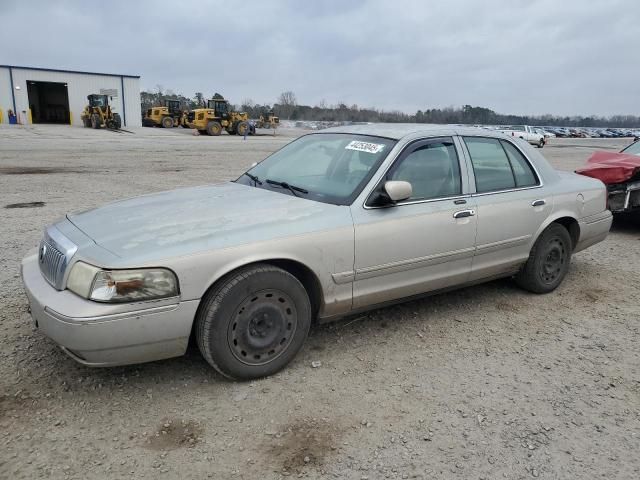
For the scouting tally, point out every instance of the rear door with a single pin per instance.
(511, 204)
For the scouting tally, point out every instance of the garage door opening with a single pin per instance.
(48, 101)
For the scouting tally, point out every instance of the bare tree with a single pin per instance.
(199, 99)
(287, 103)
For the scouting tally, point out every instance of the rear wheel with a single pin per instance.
(95, 120)
(167, 122)
(548, 261)
(254, 322)
(214, 128)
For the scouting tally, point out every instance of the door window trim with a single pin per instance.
(401, 156)
(540, 183)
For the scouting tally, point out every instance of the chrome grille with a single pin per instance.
(54, 255)
(52, 262)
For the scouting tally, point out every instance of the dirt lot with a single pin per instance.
(486, 382)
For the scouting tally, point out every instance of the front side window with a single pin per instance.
(433, 170)
(326, 167)
(498, 165)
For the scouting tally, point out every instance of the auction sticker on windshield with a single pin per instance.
(365, 147)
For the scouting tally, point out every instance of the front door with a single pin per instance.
(424, 243)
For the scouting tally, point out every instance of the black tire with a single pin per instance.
(117, 121)
(548, 261)
(95, 121)
(253, 322)
(167, 122)
(242, 128)
(86, 122)
(214, 128)
(541, 143)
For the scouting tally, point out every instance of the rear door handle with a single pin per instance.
(464, 213)
(538, 203)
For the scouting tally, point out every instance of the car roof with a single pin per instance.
(397, 131)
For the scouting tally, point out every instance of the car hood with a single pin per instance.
(610, 167)
(190, 220)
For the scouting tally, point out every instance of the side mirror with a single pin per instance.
(398, 190)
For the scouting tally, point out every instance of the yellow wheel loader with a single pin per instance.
(168, 116)
(268, 121)
(99, 114)
(218, 116)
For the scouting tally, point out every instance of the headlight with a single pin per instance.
(122, 285)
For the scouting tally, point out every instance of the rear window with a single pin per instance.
(633, 149)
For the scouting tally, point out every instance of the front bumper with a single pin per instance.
(97, 334)
(624, 197)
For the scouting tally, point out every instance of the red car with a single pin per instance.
(621, 174)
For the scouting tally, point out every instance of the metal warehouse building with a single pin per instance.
(43, 95)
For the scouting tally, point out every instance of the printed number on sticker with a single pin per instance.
(365, 147)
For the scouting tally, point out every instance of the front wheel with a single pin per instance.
(541, 143)
(167, 122)
(96, 122)
(242, 128)
(214, 128)
(254, 322)
(548, 261)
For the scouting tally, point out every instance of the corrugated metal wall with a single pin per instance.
(5, 95)
(79, 85)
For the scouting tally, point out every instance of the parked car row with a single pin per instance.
(584, 132)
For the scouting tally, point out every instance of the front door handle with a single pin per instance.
(538, 203)
(464, 213)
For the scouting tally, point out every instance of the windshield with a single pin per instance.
(326, 167)
(633, 149)
(98, 101)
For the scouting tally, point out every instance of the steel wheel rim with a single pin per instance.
(554, 261)
(262, 327)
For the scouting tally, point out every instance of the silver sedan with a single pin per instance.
(334, 223)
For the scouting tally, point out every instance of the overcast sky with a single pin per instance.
(525, 57)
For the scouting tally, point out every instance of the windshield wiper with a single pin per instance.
(293, 189)
(255, 179)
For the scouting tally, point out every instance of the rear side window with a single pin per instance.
(498, 165)
(524, 174)
(491, 166)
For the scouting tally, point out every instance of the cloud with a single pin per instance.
(569, 57)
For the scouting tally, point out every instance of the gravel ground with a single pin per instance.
(486, 382)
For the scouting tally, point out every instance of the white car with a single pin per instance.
(525, 132)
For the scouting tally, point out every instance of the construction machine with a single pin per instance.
(99, 113)
(167, 116)
(218, 116)
(268, 121)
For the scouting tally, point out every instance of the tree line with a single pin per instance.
(287, 107)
